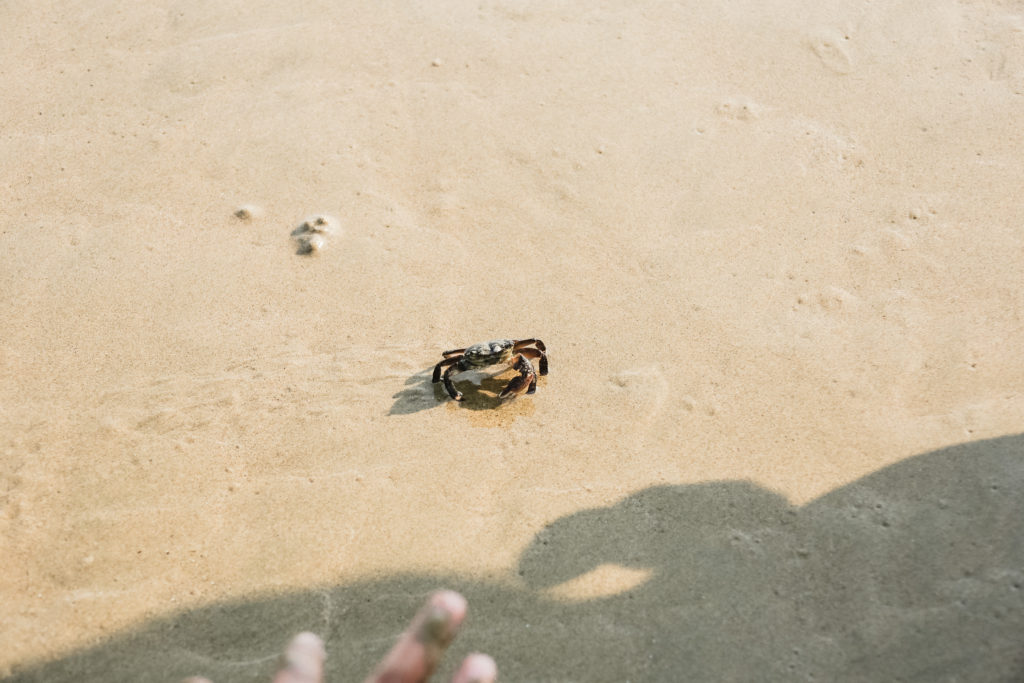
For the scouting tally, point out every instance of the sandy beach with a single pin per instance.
(775, 252)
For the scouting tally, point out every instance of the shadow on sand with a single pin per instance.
(913, 573)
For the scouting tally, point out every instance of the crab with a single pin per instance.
(518, 352)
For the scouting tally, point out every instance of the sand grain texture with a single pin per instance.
(775, 252)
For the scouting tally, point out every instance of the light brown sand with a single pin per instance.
(778, 246)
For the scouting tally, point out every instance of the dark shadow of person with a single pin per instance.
(913, 573)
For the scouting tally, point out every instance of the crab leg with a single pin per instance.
(452, 391)
(537, 353)
(437, 368)
(523, 343)
(453, 352)
(525, 382)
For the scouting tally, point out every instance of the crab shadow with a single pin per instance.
(912, 573)
(479, 391)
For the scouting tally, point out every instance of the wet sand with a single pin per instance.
(775, 253)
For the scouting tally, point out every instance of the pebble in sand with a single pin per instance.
(311, 235)
(248, 212)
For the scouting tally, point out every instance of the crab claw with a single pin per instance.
(525, 382)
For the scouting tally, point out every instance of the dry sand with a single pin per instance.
(775, 250)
